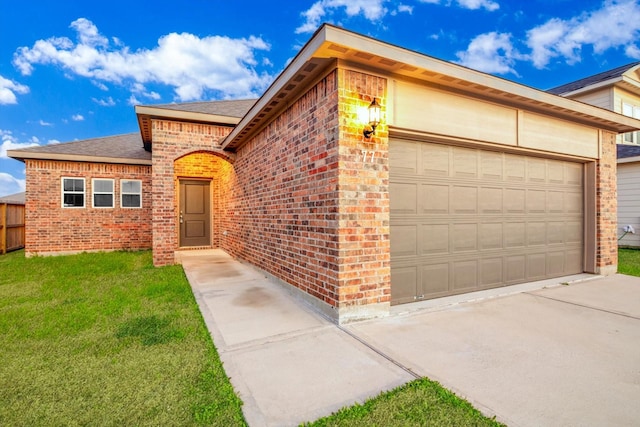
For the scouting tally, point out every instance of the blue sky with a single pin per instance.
(74, 70)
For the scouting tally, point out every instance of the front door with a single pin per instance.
(195, 213)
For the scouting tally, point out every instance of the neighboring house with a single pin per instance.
(469, 182)
(629, 194)
(17, 198)
(618, 90)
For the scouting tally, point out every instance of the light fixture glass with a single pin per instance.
(374, 119)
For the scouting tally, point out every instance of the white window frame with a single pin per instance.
(128, 193)
(94, 193)
(631, 110)
(63, 192)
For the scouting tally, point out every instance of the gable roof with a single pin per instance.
(125, 149)
(606, 77)
(330, 45)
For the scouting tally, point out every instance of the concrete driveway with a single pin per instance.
(562, 355)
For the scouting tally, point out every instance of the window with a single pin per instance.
(130, 193)
(73, 192)
(631, 111)
(102, 193)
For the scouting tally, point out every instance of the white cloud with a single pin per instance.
(213, 63)
(10, 184)
(316, 14)
(615, 25)
(43, 123)
(491, 52)
(479, 4)
(8, 90)
(10, 142)
(77, 117)
(403, 8)
(109, 102)
(469, 4)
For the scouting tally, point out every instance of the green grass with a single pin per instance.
(419, 403)
(629, 261)
(106, 339)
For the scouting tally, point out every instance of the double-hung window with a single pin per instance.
(130, 193)
(631, 111)
(102, 193)
(73, 192)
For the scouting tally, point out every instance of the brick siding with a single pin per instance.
(308, 199)
(607, 207)
(52, 229)
(171, 142)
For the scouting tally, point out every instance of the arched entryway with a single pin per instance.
(201, 180)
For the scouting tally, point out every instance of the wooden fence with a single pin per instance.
(11, 227)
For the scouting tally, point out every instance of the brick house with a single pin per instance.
(469, 181)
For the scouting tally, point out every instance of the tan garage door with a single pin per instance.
(466, 219)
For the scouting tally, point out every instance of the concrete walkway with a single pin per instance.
(564, 355)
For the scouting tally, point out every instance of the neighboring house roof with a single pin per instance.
(628, 153)
(126, 149)
(17, 198)
(597, 80)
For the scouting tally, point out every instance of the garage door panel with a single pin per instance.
(435, 279)
(464, 237)
(536, 266)
(405, 242)
(470, 219)
(490, 200)
(435, 239)
(491, 236)
(464, 199)
(536, 233)
(491, 272)
(515, 200)
(404, 281)
(435, 160)
(404, 157)
(405, 199)
(515, 235)
(465, 162)
(434, 199)
(516, 267)
(465, 275)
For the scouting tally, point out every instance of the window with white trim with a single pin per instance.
(73, 192)
(103, 193)
(631, 111)
(130, 193)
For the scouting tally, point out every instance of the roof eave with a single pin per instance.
(633, 159)
(23, 155)
(331, 42)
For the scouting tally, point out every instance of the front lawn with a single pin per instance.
(629, 262)
(106, 339)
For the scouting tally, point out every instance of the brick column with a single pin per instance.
(606, 207)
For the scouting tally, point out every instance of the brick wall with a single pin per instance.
(173, 141)
(308, 201)
(606, 207)
(283, 202)
(53, 229)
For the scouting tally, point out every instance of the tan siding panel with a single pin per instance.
(558, 136)
(431, 110)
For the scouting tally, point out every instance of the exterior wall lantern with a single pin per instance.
(374, 119)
